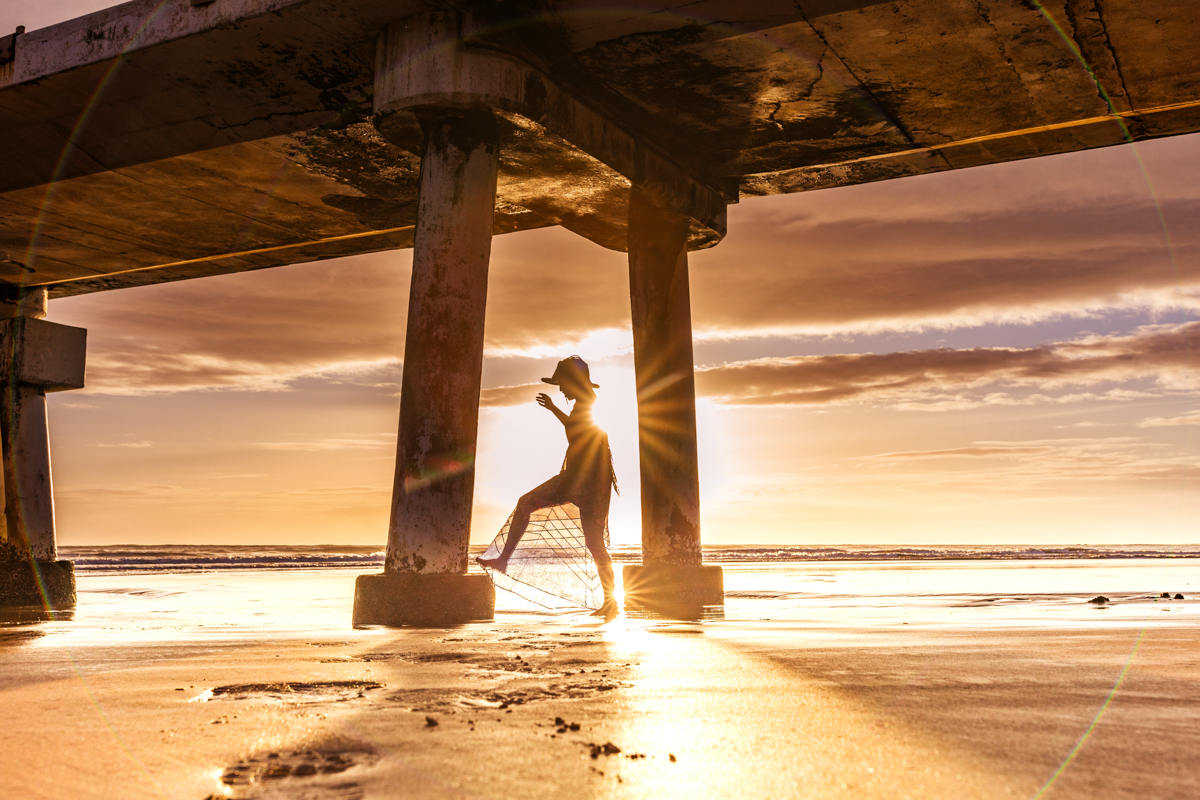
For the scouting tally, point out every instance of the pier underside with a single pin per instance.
(154, 142)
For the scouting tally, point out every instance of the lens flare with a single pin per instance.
(1095, 720)
(438, 468)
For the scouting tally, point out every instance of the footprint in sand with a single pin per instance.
(298, 692)
(307, 773)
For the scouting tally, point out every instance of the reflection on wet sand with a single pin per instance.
(24, 615)
(890, 681)
(739, 724)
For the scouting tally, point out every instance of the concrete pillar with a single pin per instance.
(443, 350)
(425, 580)
(28, 490)
(37, 356)
(662, 352)
(662, 355)
(28, 495)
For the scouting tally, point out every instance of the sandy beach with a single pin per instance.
(890, 310)
(831, 680)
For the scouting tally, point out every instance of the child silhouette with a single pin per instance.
(586, 478)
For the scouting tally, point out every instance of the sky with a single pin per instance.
(1005, 354)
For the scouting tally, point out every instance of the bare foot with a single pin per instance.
(609, 610)
(498, 564)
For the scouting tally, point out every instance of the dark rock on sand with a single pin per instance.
(1099, 600)
(606, 749)
(1178, 596)
(430, 722)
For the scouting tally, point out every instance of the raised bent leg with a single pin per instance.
(546, 495)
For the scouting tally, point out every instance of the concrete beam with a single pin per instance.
(42, 354)
(422, 62)
(152, 79)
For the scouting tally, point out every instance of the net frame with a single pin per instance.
(551, 564)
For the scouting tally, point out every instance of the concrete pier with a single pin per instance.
(464, 103)
(585, 106)
(425, 580)
(36, 356)
(660, 300)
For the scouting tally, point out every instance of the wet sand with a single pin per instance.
(253, 685)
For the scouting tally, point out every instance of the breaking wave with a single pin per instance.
(208, 558)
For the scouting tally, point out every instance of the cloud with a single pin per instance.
(128, 444)
(1063, 236)
(1044, 471)
(1164, 354)
(360, 443)
(510, 395)
(1020, 242)
(960, 452)
(130, 492)
(1160, 422)
(341, 320)
(332, 499)
(1022, 265)
(254, 331)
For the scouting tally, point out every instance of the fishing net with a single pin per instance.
(551, 565)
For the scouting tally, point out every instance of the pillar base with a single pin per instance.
(51, 586)
(654, 587)
(401, 598)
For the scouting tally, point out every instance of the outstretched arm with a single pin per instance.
(544, 401)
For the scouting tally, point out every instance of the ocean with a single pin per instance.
(184, 590)
(115, 559)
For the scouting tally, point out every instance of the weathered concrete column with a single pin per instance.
(37, 357)
(425, 580)
(28, 492)
(662, 354)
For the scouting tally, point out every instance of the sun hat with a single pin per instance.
(571, 367)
